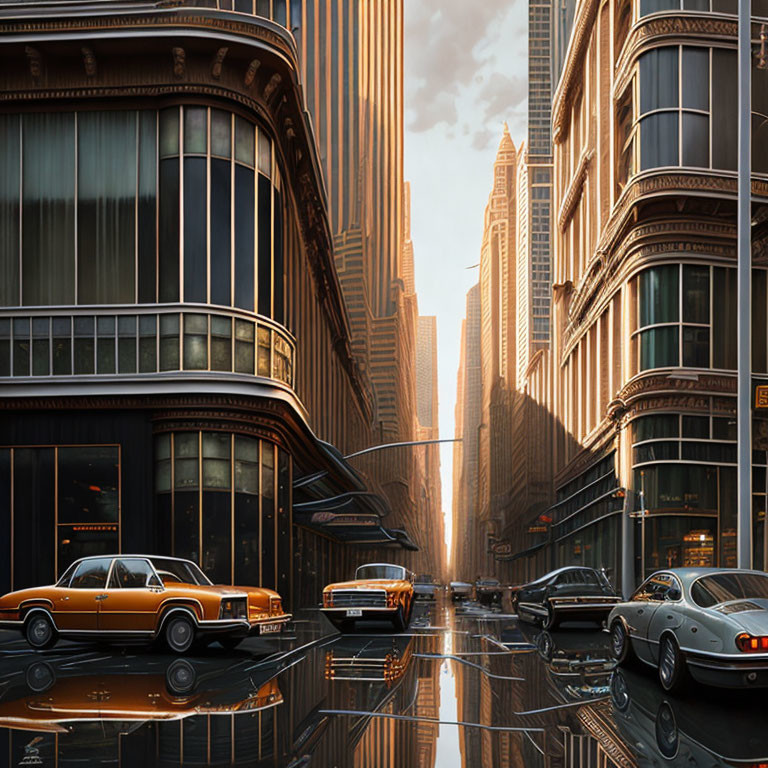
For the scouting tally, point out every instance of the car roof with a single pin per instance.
(563, 570)
(123, 554)
(389, 565)
(689, 575)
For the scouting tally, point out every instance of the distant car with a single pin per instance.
(488, 591)
(709, 623)
(424, 587)
(574, 593)
(129, 598)
(378, 591)
(460, 590)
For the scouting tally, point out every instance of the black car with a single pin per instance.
(488, 591)
(567, 594)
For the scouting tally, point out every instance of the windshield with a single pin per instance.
(724, 587)
(181, 571)
(380, 572)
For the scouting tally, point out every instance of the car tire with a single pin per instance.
(179, 633)
(621, 644)
(545, 645)
(551, 621)
(399, 622)
(667, 734)
(40, 676)
(673, 671)
(619, 692)
(180, 677)
(39, 631)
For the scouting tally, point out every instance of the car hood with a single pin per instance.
(223, 590)
(370, 584)
(750, 614)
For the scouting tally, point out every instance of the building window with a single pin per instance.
(681, 111)
(60, 502)
(686, 316)
(126, 207)
(224, 506)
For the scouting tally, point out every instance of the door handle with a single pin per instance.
(102, 597)
(66, 597)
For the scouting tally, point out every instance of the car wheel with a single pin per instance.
(39, 631)
(667, 737)
(179, 633)
(40, 676)
(551, 620)
(399, 622)
(180, 677)
(545, 646)
(619, 692)
(621, 645)
(672, 668)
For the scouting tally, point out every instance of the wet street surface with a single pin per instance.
(464, 686)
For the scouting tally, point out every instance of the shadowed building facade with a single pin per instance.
(175, 351)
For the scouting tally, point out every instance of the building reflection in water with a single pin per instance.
(532, 699)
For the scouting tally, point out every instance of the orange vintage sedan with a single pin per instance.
(129, 598)
(379, 591)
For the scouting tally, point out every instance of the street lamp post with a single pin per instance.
(744, 295)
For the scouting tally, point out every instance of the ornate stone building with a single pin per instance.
(641, 392)
(175, 351)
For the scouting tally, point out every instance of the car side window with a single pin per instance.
(658, 588)
(130, 574)
(91, 574)
(588, 577)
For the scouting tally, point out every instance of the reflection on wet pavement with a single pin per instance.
(462, 687)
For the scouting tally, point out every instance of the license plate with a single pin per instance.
(354, 612)
(265, 629)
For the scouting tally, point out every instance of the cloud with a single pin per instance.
(446, 44)
(501, 94)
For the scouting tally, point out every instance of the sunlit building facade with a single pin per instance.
(175, 352)
(642, 398)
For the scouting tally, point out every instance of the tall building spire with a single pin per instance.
(506, 151)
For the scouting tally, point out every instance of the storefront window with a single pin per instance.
(229, 525)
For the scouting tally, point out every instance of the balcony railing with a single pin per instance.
(141, 341)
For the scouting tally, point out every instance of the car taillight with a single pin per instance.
(750, 644)
(328, 599)
(391, 599)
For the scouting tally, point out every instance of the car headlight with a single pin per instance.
(233, 608)
(327, 599)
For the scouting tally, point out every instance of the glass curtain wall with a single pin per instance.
(224, 502)
(123, 207)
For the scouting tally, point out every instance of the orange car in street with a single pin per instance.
(129, 598)
(379, 591)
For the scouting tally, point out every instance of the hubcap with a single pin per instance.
(40, 631)
(618, 640)
(667, 667)
(180, 633)
(182, 677)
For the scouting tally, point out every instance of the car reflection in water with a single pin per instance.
(702, 729)
(376, 659)
(105, 708)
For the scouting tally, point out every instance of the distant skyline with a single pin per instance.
(465, 75)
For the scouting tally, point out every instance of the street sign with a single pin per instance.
(761, 397)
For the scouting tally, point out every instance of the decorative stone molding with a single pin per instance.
(575, 189)
(250, 73)
(218, 62)
(179, 62)
(89, 61)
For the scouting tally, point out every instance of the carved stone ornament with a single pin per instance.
(250, 73)
(89, 61)
(218, 62)
(179, 62)
(34, 60)
(271, 86)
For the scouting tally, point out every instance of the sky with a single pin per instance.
(465, 74)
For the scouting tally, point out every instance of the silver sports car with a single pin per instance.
(709, 623)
